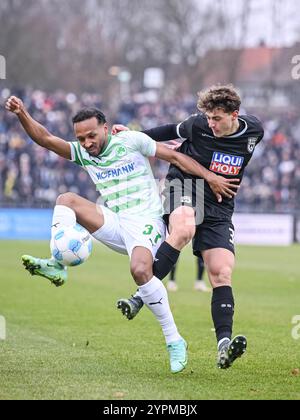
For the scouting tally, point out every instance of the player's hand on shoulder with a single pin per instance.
(14, 104)
(117, 128)
(223, 187)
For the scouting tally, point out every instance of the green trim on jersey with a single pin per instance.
(126, 206)
(123, 193)
(114, 182)
(77, 146)
(113, 160)
(77, 159)
(122, 174)
(106, 150)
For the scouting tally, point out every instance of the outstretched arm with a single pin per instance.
(219, 185)
(162, 133)
(36, 131)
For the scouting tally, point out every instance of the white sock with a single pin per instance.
(226, 339)
(62, 216)
(155, 292)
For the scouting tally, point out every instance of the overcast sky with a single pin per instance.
(277, 22)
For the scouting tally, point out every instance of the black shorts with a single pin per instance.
(213, 234)
(210, 233)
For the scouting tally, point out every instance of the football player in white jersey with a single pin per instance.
(131, 221)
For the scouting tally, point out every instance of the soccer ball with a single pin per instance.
(71, 245)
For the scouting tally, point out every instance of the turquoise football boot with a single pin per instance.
(48, 268)
(178, 355)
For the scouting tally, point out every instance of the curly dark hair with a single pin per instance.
(219, 96)
(87, 113)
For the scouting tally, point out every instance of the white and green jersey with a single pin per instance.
(122, 173)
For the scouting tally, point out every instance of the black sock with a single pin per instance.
(173, 273)
(200, 268)
(222, 310)
(165, 259)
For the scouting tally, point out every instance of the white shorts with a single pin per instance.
(123, 233)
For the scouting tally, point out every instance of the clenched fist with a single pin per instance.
(14, 105)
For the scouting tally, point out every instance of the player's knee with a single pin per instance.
(141, 272)
(222, 276)
(183, 234)
(67, 199)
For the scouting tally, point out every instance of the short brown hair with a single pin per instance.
(219, 96)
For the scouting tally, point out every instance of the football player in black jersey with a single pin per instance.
(222, 141)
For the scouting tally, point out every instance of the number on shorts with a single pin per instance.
(148, 230)
(157, 238)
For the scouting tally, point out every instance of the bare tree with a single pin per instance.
(72, 44)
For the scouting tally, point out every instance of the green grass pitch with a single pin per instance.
(72, 343)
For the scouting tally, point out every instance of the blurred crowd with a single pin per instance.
(31, 176)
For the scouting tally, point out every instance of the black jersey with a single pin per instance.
(227, 156)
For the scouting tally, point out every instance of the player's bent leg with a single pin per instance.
(69, 208)
(181, 226)
(229, 351)
(154, 295)
(141, 265)
(88, 214)
(220, 263)
(48, 268)
(141, 271)
(167, 254)
(182, 230)
(177, 350)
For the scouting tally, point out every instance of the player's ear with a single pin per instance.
(235, 114)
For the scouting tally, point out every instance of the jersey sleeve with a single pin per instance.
(185, 128)
(76, 156)
(257, 128)
(140, 142)
(261, 133)
(260, 136)
(162, 133)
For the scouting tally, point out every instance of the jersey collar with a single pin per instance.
(239, 133)
(109, 137)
